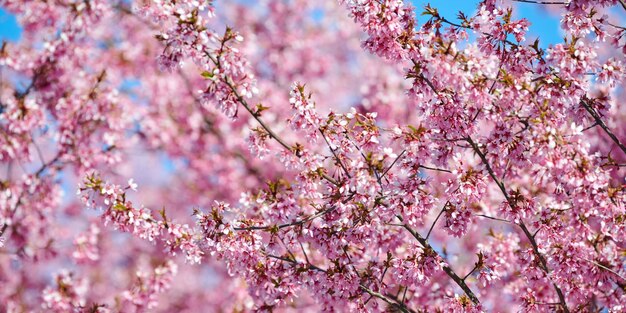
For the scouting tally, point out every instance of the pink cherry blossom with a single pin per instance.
(306, 156)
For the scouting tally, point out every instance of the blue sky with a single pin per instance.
(9, 29)
(543, 24)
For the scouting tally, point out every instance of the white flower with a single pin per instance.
(132, 185)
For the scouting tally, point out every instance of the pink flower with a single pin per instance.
(87, 245)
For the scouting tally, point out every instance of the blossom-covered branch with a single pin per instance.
(352, 155)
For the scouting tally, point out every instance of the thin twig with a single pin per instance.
(599, 121)
(529, 236)
(295, 223)
(542, 2)
(471, 272)
(623, 4)
(437, 219)
(394, 303)
(604, 268)
(257, 117)
(334, 154)
(470, 294)
(493, 218)
(435, 169)
(37, 174)
(392, 164)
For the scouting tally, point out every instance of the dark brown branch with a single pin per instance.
(449, 271)
(443, 19)
(598, 120)
(392, 164)
(529, 236)
(605, 268)
(295, 223)
(435, 169)
(334, 154)
(471, 272)
(390, 301)
(257, 117)
(493, 218)
(437, 219)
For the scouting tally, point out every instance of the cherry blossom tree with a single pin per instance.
(292, 155)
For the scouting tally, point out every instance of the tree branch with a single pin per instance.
(542, 2)
(334, 154)
(437, 219)
(599, 121)
(256, 116)
(529, 236)
(449, 271)
(390, 301)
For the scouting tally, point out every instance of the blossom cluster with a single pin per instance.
(475, 171)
